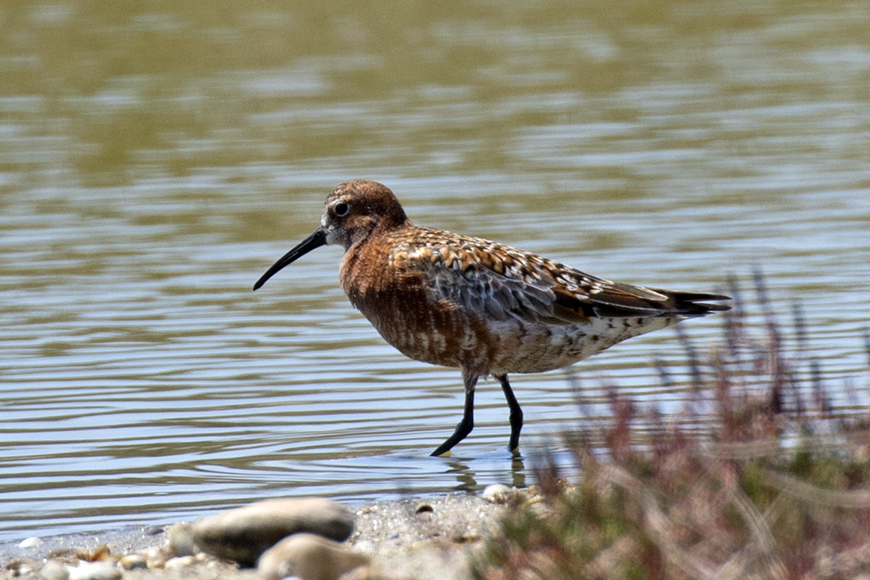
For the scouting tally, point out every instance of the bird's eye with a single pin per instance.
(342, 209)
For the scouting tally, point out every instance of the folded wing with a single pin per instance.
(500, 283)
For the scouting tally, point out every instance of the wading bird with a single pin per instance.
(481, 306)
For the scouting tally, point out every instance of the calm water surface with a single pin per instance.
(156, 159)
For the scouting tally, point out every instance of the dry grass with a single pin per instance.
(775, 485)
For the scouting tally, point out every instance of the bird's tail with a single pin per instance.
(694, 303)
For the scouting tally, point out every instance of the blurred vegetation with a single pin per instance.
(775, 486)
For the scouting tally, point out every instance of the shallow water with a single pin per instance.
(154, 163)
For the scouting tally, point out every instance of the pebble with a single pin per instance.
(155, 557)
(94, 571)
(54, 570)
(243, 534)
(179, 562)
(181, 542)
(308, 557)
(497, 493)
(133, 562)
(31, 543)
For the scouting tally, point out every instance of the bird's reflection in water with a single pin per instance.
(464, 476)
(466, 480)
(518, 472)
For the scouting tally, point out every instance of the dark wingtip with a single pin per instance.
(695, 304)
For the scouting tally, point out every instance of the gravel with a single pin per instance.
(410, 538)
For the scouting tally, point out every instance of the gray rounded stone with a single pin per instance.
(243, 534)
(308, 557)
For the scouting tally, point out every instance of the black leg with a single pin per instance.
(467, 424)
(516, 416)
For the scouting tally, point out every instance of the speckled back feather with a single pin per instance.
(492, 280)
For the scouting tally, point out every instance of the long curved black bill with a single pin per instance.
(314, 241)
